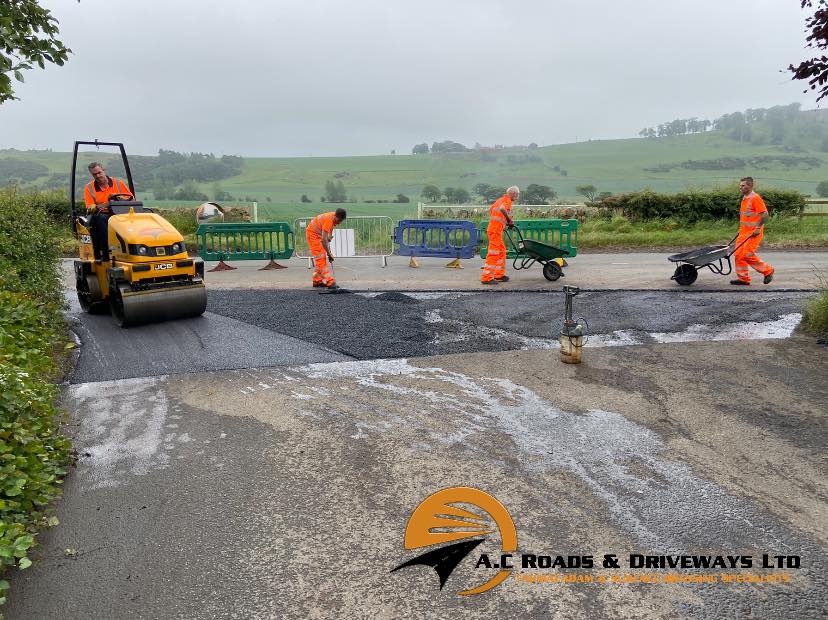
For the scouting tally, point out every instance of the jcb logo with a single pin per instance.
(163, 266)
(86, 239)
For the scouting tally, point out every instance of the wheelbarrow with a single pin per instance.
(715, 257)
(530, 251)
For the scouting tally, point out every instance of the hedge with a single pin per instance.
(33, 454)
(693, 206)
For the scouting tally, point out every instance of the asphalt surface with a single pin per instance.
(410, 324)
(209, 342)
(269, 493)
(256, 329)
(628, 270)
(235, 476)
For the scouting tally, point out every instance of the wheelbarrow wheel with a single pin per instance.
(552, 271)
(685, 275)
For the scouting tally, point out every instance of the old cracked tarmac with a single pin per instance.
(255, 464)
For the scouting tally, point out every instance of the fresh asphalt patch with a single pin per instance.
(209, 342)
(395, 324)
(246, 328)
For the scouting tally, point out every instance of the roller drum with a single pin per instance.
(154, 305)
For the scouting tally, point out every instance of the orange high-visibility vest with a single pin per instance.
(322, 223)
(750, 213)
(496, 219)
(94, 196)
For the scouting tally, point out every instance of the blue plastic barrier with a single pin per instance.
(436, 238)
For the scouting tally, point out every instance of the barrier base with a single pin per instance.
(222, 266)
(412, 262)
(455, 264)
(272, 265)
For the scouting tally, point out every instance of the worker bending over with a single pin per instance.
(494, 270)
(319, 234)
(753, 214)
(96, 195)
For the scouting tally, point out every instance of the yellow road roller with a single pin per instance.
(148, 275)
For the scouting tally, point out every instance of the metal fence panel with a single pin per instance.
(372, 236)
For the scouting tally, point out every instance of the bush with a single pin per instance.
(822, 189)
(33, 454)
(29, 249)
(693, 206)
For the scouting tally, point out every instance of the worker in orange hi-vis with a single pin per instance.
(753, 214)
(319, 234)
(494, 270)
(97, 194)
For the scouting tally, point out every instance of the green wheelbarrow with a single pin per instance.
(530, 252)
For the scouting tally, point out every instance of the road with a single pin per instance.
(254, 463)
(633, 270)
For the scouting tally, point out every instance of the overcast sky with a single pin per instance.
(362, 77)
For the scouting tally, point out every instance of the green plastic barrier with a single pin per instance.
(560, 233)
(245, 241)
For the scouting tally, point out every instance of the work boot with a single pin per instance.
(768, 278)
(488, 282)
(332, 287)
(318, 284)
(502, 279)
(739, 283)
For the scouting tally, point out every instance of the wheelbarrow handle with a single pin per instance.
(519, 234)
(740, 245)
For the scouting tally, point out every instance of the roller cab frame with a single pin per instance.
(150, 276)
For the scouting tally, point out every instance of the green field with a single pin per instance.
(611, 165)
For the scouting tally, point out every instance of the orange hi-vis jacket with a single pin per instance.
(94, 196)
(322, 223)
(750, 213)
(496, 220)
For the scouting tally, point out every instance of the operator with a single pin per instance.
(319, 234)
(494, 270)
(97, 194)
(753, 215)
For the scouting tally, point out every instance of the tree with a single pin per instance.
(420, 149)
(587, 191)
(448, 146)
(533, 146)
(335, 192)
(431, 193)
(815, 69)
(456, 195)
(402, 198)
(488, 192)
(28, 34)
(189, 191)
(305, 198)
(219, 195)
(537, 194)
(822, 189)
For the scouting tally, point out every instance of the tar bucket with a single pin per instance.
(573, 335)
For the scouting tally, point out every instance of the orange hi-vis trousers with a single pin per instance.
(495, 266)
(746, 256)
(321, 269)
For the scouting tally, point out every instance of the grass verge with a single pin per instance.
(815, 319)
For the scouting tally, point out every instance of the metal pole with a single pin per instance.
(255, 212)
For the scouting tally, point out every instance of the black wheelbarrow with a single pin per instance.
(715, 257)
(530, 252)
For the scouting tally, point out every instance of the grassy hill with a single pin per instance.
(797, 161)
